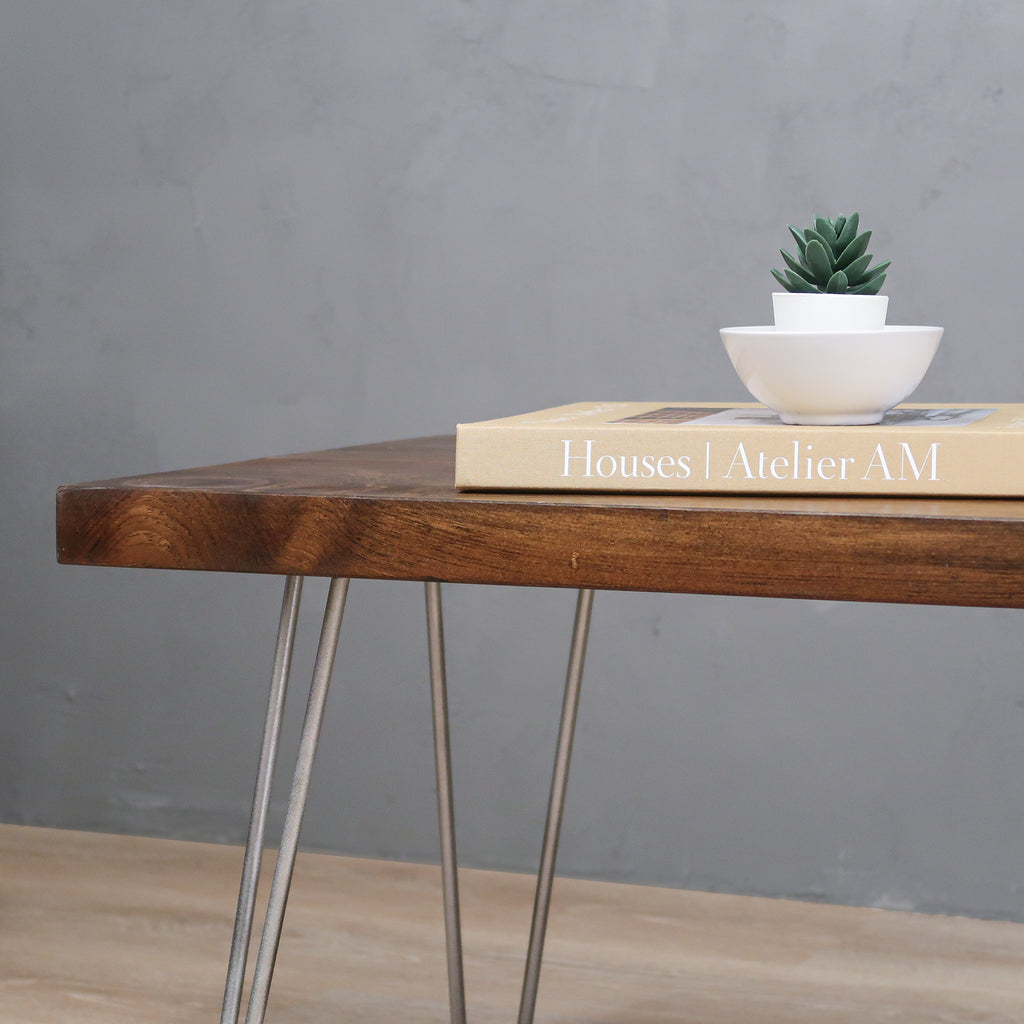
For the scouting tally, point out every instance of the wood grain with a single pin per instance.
(390, 511)
(117, 930)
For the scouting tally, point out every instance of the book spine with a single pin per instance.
(839, 461)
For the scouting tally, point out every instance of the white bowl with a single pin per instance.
(831, 377)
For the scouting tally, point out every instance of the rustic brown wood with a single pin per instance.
(390, 511)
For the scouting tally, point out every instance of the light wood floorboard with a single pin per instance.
(98, 929)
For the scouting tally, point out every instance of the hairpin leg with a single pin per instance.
(267, 955)
(556, 806)
(445, 809)
(261, 801)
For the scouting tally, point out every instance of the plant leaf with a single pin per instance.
(799, 236)
(813, 235)
(797, 267)
(849, 232)
(837, 283)
(817, 259)
(838, 224)
(798, 284)
(856, 271)
(869, 287)
(875, 271)
(824, 228)
(782, 280)
(855, 249)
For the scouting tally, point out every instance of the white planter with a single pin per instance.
(831, 377)
(800, 311)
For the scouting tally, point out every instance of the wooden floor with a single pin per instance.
(101, 929)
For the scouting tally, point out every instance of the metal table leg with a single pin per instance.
(556, 806)
(271, 937)
(261, 801)
(445, 809)
(327, 650)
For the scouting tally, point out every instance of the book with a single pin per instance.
(686, 448)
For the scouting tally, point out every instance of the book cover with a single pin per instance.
(633, 447)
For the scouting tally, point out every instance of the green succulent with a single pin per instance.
(833, 257)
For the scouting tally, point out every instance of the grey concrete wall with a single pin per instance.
(243, 228)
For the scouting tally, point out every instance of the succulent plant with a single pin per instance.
(833, 257)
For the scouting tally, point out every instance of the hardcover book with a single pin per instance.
(633, 447)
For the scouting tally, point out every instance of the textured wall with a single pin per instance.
(244, 228)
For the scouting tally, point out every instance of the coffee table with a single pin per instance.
(391, 511)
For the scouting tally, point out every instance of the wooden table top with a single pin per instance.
(391, 511)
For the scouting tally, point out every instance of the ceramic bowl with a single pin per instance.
(831, 377)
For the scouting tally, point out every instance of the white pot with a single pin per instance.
(831, 377)
(818, 311)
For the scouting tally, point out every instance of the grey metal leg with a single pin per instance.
(445, 810)
(556, 805)
(261, 801)
(267, 955)
(285, 865)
